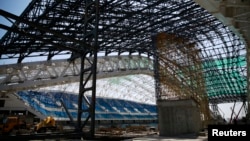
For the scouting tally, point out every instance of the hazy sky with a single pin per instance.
(13, 6)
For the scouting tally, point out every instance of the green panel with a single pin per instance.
(231, 62)
(224, 77)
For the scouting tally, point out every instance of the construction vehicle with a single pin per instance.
(47, 124)
(14, 124)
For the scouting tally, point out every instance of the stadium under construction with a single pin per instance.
(122, 68)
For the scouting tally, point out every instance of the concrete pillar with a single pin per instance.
(178, 117)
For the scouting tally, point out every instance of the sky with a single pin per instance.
(13, 6)
(17, 6)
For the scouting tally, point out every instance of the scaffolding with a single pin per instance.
(204, 60)
(180, 71)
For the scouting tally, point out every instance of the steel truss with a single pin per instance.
(91, 21)
(87, 28)
(33, 75)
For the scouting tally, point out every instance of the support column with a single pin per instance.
(248, 78)
(88, 70)
(178, 117)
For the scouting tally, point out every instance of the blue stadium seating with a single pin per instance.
(48, 103)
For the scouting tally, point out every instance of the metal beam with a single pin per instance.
(43, 28)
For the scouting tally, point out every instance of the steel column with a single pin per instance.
(88, 72)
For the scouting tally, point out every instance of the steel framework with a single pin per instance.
(33, 75)
(83, 28)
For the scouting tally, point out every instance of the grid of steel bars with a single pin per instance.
(52, 28)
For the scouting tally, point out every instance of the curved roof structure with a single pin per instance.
(122, 87)
(52, 28)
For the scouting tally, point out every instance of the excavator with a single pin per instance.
(17, 125)
(47, 124)
(14, 124)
